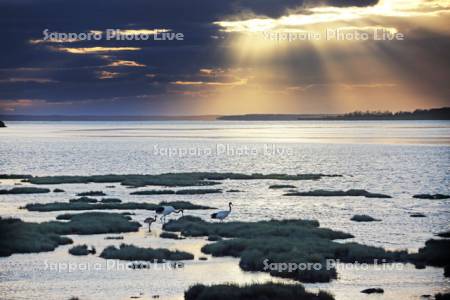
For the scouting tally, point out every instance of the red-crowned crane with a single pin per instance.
(221, 215)
(167, 210)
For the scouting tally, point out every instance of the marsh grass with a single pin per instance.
(130, 252)
(417, 215)
(364, 218)
(282, 241)
(432, 196)
(444, 234)
(282, 186)
(83, 199)
(266, 291)
(373, 291)
(349, 193)
(171, 179)
(170, 235)
(179, 192)
(435, 253)
(114, 238)
(17, 236)
(61, 206)
(25, 190)
(14, 176)
(214, 238)
(110, 200)
(153, 192)
(92, 193)
(198, 191)
(79, 250)
(440, 296)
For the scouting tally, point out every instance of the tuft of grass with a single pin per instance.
(194, 226)
(350, 193)
(14, 176)
(110, 200)
(60, 206)
(440, 296)
(127, 213)
(83, 199)
(214, 238)
(172, 179)
(363, 218)
(153, 192)
(183, 205)
(95, 223)
(179, 192)
(282, 241)
(266, 291)
(373, 291)
(444, 234)
(79, 250)
(130, 252)
(114, 237)
(17, 236)
(435, 253)
(432, 196)
(282, 186)
(417, 215)
(92, 193)
(169, 235)
(25, 190)
(198, 191)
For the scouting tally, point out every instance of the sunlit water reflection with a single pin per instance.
(396, 158)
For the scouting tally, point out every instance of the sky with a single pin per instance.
(231, 56)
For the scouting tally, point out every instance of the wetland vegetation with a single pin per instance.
(266, 291)
(172, 179)
(61, 206)
(130, 252)
(179, 192)
(25, 190)
(349, 193)
(432, 196)
(363, 218)
(18, 236)
(259, 244)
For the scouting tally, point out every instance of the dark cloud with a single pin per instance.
(73, 77)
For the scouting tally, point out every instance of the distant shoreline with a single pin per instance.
(424, 115)
(417, 115)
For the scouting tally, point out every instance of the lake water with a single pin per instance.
(399, 158)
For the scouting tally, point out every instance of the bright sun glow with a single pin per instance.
(391, 16)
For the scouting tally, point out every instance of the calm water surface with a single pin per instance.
(400, 158)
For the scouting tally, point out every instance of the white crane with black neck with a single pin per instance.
(167, 210)
(223, 214)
